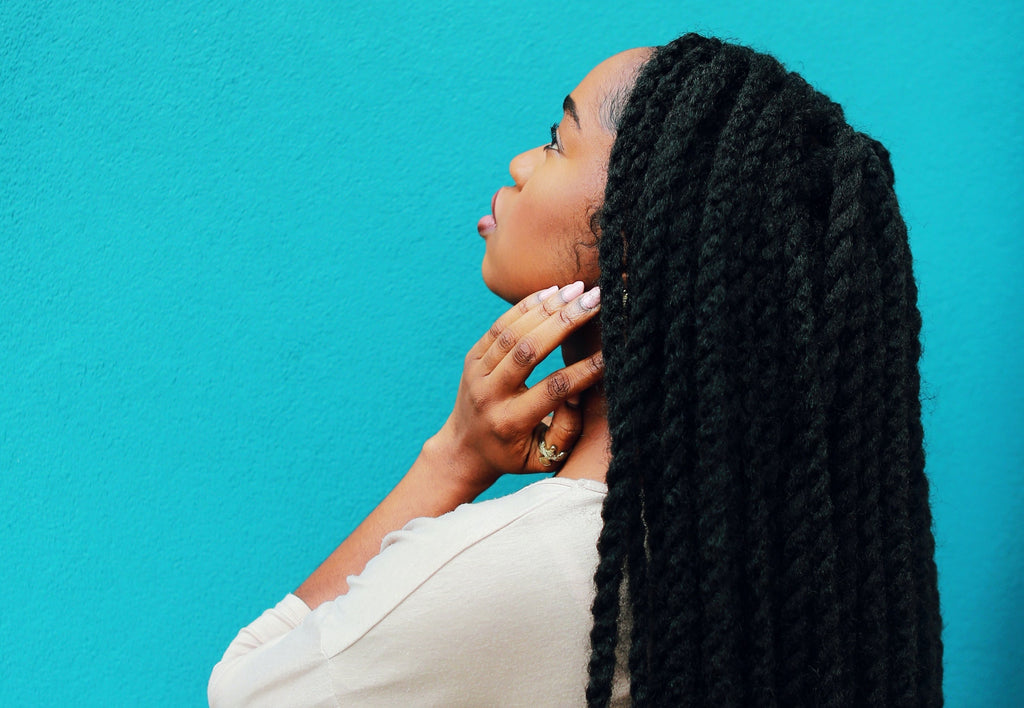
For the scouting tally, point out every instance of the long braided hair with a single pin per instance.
(767, 536)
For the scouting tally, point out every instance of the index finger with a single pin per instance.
(532, 347)
(514, 313)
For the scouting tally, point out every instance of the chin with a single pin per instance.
(510, 297)
(497, 286)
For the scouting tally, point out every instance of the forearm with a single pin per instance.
(434, 485)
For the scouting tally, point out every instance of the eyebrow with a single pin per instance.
(569, 106)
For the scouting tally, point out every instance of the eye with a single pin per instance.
(553, 145)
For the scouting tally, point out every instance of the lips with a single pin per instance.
(488, 223)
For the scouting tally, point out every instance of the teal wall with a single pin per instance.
(239, 270)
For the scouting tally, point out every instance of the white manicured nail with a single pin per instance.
(571, 292)
(591, 298)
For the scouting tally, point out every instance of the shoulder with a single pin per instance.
(572, 506)
(501, 547)
(553, 515)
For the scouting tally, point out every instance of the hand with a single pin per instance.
(498, 422)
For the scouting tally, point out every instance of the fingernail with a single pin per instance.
(573, 401)
(546, 293)
(591, 298)
(570, 292)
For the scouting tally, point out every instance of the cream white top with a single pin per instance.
(488, 605)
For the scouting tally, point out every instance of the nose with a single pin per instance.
(522, 165)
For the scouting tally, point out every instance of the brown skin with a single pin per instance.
(497, 421)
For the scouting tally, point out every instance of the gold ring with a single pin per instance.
(549, 454)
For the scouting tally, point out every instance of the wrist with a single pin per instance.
(456, 465)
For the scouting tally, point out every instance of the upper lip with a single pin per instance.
(494, 202)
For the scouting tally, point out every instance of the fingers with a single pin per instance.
(551, 392)
(532, 345)
(516, 312)
(555, 441)
(510, 335)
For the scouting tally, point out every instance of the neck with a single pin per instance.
(592, 452)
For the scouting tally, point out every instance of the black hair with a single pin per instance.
(767, 534)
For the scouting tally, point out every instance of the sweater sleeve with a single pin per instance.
(275, 661)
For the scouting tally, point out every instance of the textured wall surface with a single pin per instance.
(239, 270)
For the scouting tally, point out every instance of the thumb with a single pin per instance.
(558, 437)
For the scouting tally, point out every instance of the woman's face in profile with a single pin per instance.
(536, 227)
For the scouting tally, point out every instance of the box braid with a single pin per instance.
(767, 536)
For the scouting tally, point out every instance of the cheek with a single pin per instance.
(570, 245)
(554, 211)
(541, 212)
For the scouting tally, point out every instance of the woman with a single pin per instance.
(754, 450)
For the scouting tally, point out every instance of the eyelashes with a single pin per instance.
(553, 145)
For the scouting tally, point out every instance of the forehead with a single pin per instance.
(605, 79)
